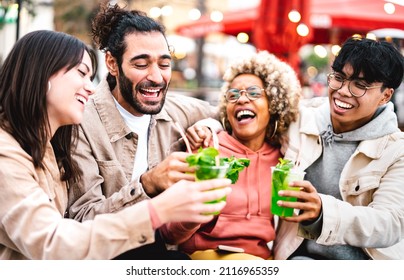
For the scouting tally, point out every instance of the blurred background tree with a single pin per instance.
(9, 10)
(74, 17)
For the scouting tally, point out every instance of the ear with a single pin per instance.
(387, 94)
(111, 64)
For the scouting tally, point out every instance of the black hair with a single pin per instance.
(24, 79)
(112, 24)
(378, 61)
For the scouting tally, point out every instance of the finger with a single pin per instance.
(193, 134)
(178, 176)
(215, 194)
(195, 144)
(202, 218)
(178, 163)
(180, 156)
(289, 193)
(211, 184)
(212, 208)
(208, 138)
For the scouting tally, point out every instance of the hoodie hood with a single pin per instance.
(384, 122)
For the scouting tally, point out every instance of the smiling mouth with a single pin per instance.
(149, 92)
(342, 105)
(245, 114)
(81, 99)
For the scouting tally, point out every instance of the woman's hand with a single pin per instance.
(185, 201)
(198, 136)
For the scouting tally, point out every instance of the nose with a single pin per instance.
(89, 87)
(344, 90)
(243, 97)
(155, 75)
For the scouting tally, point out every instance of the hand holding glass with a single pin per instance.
(211, 172)
(280, 181)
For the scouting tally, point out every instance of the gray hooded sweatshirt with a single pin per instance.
(325, 173)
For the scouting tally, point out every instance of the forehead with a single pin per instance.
(246, 80)
(348, 71)
(150, 44)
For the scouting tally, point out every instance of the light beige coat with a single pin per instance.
(33, 202)
(371, 214)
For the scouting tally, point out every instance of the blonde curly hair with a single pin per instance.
(281, 85)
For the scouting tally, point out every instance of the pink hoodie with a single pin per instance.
(246, 221)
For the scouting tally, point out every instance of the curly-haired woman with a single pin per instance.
(260, 100)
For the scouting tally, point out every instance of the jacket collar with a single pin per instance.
(111, 118)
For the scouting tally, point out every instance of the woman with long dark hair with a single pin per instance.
(45, 83)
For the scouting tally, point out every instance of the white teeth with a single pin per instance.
(81, 99)
(150, 92)
(343, 104)
(245, 113)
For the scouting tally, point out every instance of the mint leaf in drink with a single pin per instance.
(281, 171)
(204, 156)
(236, 165)
(207, 157)
(284, 164)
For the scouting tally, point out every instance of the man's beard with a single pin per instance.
(129, 94)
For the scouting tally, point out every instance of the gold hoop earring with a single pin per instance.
(276, 127)
(224, 123)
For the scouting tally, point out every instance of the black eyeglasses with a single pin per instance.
(356, 87)
(252, 93)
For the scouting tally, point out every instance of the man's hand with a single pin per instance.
(308, 201)
(171, 170)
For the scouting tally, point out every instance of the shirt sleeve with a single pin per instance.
(177, 233)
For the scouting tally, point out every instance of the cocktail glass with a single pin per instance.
(280, 181)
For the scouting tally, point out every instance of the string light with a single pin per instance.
(302, 29)
(294, 16)
(389, 8)
(243, 37)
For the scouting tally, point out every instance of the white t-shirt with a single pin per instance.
(140, 126)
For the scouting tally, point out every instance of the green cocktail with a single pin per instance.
(206, 172)
(210, 166)
(280, 181)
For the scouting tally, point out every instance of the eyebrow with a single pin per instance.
(146, 56)
(345, 76)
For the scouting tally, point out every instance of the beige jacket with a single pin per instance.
(106, 151)
(33, 202)
(372, 188)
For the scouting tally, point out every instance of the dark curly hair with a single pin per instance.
(282, 88)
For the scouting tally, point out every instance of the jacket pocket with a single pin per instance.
(113, 174)
(360, 191)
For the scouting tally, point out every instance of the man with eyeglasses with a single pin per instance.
(351, 204)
